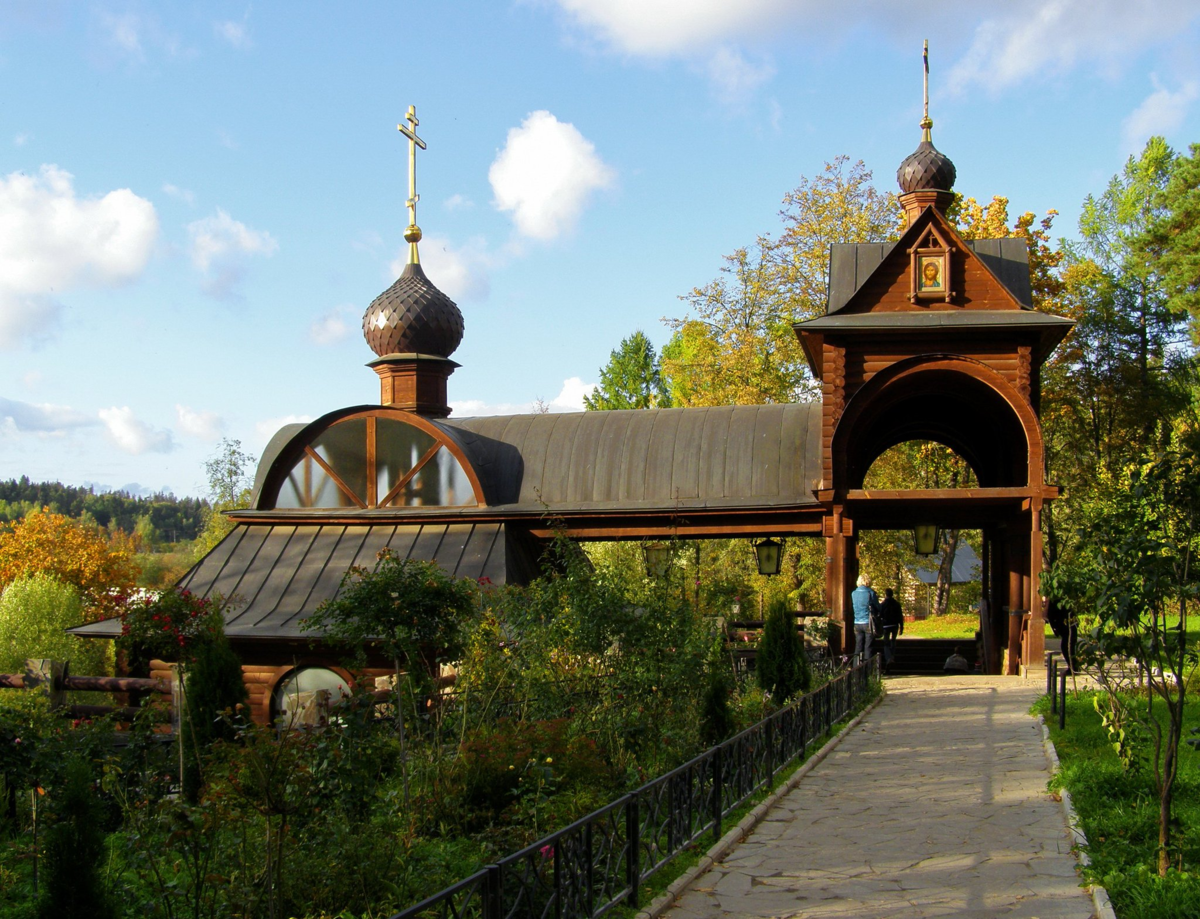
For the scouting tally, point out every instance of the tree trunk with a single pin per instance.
(945, 573)
(1164, 808)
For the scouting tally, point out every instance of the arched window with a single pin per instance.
(373, 461)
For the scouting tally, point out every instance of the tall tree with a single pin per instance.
(631, 379)
(841, 205)
(230, 483)
(1172, 240)
(1124, 372)
(735, 344)
(1144, 324)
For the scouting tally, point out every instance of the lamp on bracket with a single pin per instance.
(769, 553)
(657, 556)
(925, 538)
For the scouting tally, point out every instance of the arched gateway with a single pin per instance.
(929, 337)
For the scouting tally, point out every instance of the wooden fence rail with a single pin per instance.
(54, 679)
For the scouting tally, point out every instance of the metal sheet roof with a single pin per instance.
(281, 574)
(966, 567)
(725, 456)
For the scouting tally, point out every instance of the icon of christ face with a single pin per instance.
(931, 274)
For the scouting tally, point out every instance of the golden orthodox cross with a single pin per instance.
(926, 121)
(410, 131)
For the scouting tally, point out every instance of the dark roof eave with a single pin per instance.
(1049, 328)
(517, 512)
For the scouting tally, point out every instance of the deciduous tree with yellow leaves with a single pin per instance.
(102, 570)
(735, 345)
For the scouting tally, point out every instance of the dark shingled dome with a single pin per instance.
(413, 317)
(926, 168)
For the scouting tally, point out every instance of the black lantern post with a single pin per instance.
(925, 538)
(769, 553)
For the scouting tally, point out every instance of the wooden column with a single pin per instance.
(841, 572)
(987, 609)
(1034, 650)
(1017, 583)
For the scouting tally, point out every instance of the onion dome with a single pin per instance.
(413, 317)
(926, 168)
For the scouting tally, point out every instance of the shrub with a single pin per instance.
(215, 689)
(782, 665)
(74, 849)
(493, 762)
(716, 717)
(34, 611)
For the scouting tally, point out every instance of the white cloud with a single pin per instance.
(205, 426)
(221, 248)
(733, 77)
(52, 241)
(133, 37)
(462, 273)
(135, 436)
(125, 33)
(664, 27)
(1011, 41)
(333, 326)
(569, 399)
(268, 427)
(226, 139)
(236, 34)
(457, 202)
(21, 139)
(1161, 112)
(43, 418)
(183, 194)
(1033, 38)
(545, 175)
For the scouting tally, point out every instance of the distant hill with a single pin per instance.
(157, 517)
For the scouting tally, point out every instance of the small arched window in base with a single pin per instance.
(303, 697)
(371, 461)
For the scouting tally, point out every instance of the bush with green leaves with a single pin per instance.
(214, 693)
(782, 665)
(35, 611)
(73, 854)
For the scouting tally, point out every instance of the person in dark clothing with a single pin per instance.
(891, 618)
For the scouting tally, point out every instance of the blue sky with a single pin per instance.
(199, 200)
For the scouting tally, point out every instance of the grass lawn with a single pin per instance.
(952, 625)
(1119, 814)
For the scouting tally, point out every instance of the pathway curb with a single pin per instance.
(726, 843)
(1100, 900)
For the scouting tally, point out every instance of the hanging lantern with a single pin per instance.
(925, 538)
(658, 559)
(769, 553)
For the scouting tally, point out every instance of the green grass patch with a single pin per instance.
(1118, 811)
(951, 625)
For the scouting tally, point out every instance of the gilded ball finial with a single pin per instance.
(412, 233)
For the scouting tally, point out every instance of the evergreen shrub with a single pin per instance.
(782, 666)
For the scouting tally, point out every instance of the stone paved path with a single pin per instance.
(935, 805)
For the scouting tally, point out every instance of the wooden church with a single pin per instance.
(929, 337)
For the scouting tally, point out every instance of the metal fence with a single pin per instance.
(600, 861)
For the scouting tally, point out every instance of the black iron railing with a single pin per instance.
(600, 861)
